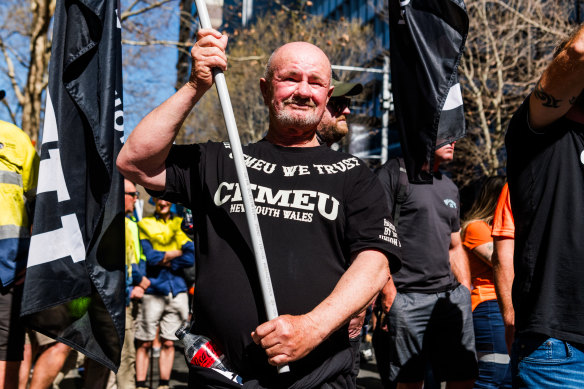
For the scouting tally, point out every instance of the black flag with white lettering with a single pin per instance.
(75, 280)
(427, 39)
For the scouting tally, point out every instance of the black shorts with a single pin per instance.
(433, 328)
(11, 329)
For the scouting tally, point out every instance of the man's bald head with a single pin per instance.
(293, 48)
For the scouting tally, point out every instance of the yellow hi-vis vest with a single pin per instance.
(19, 166)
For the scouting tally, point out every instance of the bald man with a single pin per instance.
(327, 232)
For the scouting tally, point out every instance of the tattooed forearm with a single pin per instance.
(547, 100)
(572, 100)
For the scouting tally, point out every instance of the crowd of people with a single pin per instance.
(489, 301)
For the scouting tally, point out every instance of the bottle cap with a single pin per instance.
(181, 332)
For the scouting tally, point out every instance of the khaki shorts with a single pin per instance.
(167, 311)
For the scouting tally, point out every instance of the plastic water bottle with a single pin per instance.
(201, 351)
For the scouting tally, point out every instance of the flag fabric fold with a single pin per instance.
(74, 287)
(427, 39)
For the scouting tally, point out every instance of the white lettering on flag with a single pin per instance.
(61, 243)
(51, 177)
(50, 133)
(68, 240)
(454, 98)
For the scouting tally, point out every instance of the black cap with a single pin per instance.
(346, 88)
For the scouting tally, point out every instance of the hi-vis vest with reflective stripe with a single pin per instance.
(19, 166)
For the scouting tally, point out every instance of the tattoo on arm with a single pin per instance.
(548, 100)
(572, 100)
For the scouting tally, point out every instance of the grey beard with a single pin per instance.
(286, 119)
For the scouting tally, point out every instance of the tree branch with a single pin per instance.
(11, 75)
(12, 114)
(156, 43)
(128, 14)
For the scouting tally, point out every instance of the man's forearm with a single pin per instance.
(560, 85)
(288, 338)
(458, 261)
(366, 276)
(142, 159)
(504, 274)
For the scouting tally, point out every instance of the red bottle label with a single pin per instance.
(206, 356)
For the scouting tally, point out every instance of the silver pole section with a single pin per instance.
(385, 107)
(244, 185)
(246, 11)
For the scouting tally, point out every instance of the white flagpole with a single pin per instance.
(244, 186)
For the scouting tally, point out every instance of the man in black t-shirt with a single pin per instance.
(428, 302)
(327, 233)
(545, 147)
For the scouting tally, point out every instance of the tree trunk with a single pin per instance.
(40, 51)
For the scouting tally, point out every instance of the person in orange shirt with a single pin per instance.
(488, 326)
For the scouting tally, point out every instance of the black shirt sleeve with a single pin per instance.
(182, 175)
(369, 220)
(389, 180)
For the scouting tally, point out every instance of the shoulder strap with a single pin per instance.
(401, 191)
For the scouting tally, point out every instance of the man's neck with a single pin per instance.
(305, 140)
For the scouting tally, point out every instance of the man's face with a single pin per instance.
(333, 125)
(162, 207)
(445, 153)
(129, 196)
(297, 92)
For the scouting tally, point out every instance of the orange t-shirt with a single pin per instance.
(503, 223)
(476, 234)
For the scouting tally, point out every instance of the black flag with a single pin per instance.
(74, 288)
(427, 38)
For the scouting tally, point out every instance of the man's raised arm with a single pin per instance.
(560, 85)
(142, 159)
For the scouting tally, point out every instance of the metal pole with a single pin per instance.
(385, 107)
(244, 185)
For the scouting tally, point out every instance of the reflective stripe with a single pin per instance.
(11, 178)
(494, 358)
(12, 231)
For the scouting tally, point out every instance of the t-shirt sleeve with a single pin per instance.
(182, 172)
(369, 222)
(503, 222)
(476, 234)
(388, 180)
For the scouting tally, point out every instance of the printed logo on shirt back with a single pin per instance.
(450, 203)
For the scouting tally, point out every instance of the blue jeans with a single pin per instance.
(494, 370)
(541, 362)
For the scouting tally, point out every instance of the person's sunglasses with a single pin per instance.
(133, 194)
(338, 104)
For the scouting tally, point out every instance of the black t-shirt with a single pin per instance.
(546, 183)
(428, 217)
(315, 207)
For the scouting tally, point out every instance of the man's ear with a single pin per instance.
(330, 93)
(264, 87)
